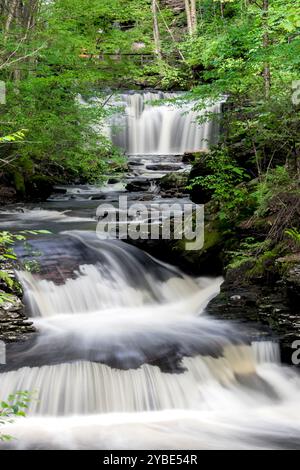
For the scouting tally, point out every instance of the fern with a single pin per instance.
(294, 234)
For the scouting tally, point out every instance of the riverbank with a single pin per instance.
(14, 324)
(254, 240)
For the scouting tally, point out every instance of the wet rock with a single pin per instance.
(191, 157)
(164, 167)
(13, 305)
(113, 181)
(139, 185)
(98, 197)
(59, 190)
(204, 261)
(14, 325)
(173, 185)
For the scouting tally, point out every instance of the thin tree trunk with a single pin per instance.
(222, 9)
(266, 43)
(189, 16)
(194, 19)
(170, 32)
(156, 32)
(10, 16)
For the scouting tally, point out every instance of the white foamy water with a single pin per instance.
(126, 358)
(207, 407)
(163, 129)
(205, 384)
(27, 218)
(95, 289)
(179, 429)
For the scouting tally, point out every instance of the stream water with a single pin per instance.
(125, 356)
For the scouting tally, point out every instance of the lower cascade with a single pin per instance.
(125, 344)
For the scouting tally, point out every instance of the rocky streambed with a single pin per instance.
(263, 291)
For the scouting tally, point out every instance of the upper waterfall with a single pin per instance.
(143, 127)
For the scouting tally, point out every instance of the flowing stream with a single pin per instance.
(125, 356)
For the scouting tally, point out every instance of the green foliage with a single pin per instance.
(229, 55)
(63, 140)
(15, 406)
(224, 181)
(81, 47)
(294, 234)
(258, 255)
(7, 255)
(16, 137)
(272, 183)
(246, 252)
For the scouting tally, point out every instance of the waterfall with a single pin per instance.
(146, 128)
(124, 344)
(125, 355)
(116, 278)
(87, 388)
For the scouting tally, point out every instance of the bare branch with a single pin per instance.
(19, 59)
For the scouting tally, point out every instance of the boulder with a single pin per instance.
(205, 261)
(173, 185)
(138, 185)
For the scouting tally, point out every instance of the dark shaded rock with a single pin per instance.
(198, 194)
(164, 167)
(38, 188)
(173, 185)
(8, 195)
(59, 190)
(139, 184)
(113, 181)
(191, 157)
(205, 261)
(98, 197)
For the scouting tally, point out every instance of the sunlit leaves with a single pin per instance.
(15, 406)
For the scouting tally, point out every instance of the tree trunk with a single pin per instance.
(189, 16)
(156, 32)
(194, 19)
(266, 43)
(222, 9)
(19, 19)
(10, 16)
